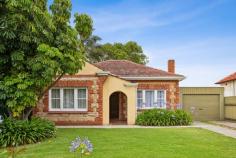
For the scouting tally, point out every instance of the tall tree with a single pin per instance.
(97, 52)
(36, 49)
(93, 49)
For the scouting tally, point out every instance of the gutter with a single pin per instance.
(165, 78)
(103, 73)
(179, 78)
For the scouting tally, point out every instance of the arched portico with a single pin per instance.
(118, 108)
(113, 85)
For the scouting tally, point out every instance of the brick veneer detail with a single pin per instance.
(171, 87)
(94, 114)
(94, 84)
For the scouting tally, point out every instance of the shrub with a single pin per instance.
(161, 117)
(19, 132)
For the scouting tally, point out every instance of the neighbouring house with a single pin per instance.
(229, 84)
(108, 92)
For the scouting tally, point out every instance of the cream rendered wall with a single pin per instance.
(230, 88)
(89, 69)
(114, 84)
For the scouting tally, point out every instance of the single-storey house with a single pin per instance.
(229, 84)
(108, 92)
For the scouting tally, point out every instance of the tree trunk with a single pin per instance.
(26, 113)
(50, 86)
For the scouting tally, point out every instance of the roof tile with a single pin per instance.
(125, 68)
(231, 77)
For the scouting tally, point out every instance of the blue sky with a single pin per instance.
(199, 34)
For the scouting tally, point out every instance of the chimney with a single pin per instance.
(171, 66)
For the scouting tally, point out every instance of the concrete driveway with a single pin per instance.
(229, 124)
(219, 127)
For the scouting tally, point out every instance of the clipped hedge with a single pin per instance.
(19, 132)
(162, 117)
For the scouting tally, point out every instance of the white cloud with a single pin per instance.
(128, 16)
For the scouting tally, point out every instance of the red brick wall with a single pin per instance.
(171, 66)
(94, 115)
(123, 107)
(171, 87)
(94, 84)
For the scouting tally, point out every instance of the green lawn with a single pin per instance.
(139, 143)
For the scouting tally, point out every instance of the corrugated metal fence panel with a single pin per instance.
(230, 108)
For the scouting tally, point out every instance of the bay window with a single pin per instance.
(147, 99)
(68, 99)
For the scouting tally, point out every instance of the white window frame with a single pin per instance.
(76, 97)
(144, 104)
(140, 98)
(155, 99)
(61, 99)
(55, 98)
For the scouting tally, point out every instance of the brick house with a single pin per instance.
(110, 92)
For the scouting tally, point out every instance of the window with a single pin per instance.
(147, 99)
(55, 98)
(160, 98)
(68, 99)
(82, 98)
(140, 99)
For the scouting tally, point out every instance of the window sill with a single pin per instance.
(147, 108)
(67, 112)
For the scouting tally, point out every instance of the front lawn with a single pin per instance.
(138, 143)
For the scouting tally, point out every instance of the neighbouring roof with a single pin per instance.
(231, 77)
(133, 71)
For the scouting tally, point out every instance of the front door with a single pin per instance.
(114, 106)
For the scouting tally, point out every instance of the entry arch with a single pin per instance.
(115, 84)
(118, 108)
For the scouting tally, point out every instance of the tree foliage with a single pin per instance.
(99, 52)
(37, 48)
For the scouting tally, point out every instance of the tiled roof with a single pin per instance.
(227, 78)
(125, 68)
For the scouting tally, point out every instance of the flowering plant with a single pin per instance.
(81, 145)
